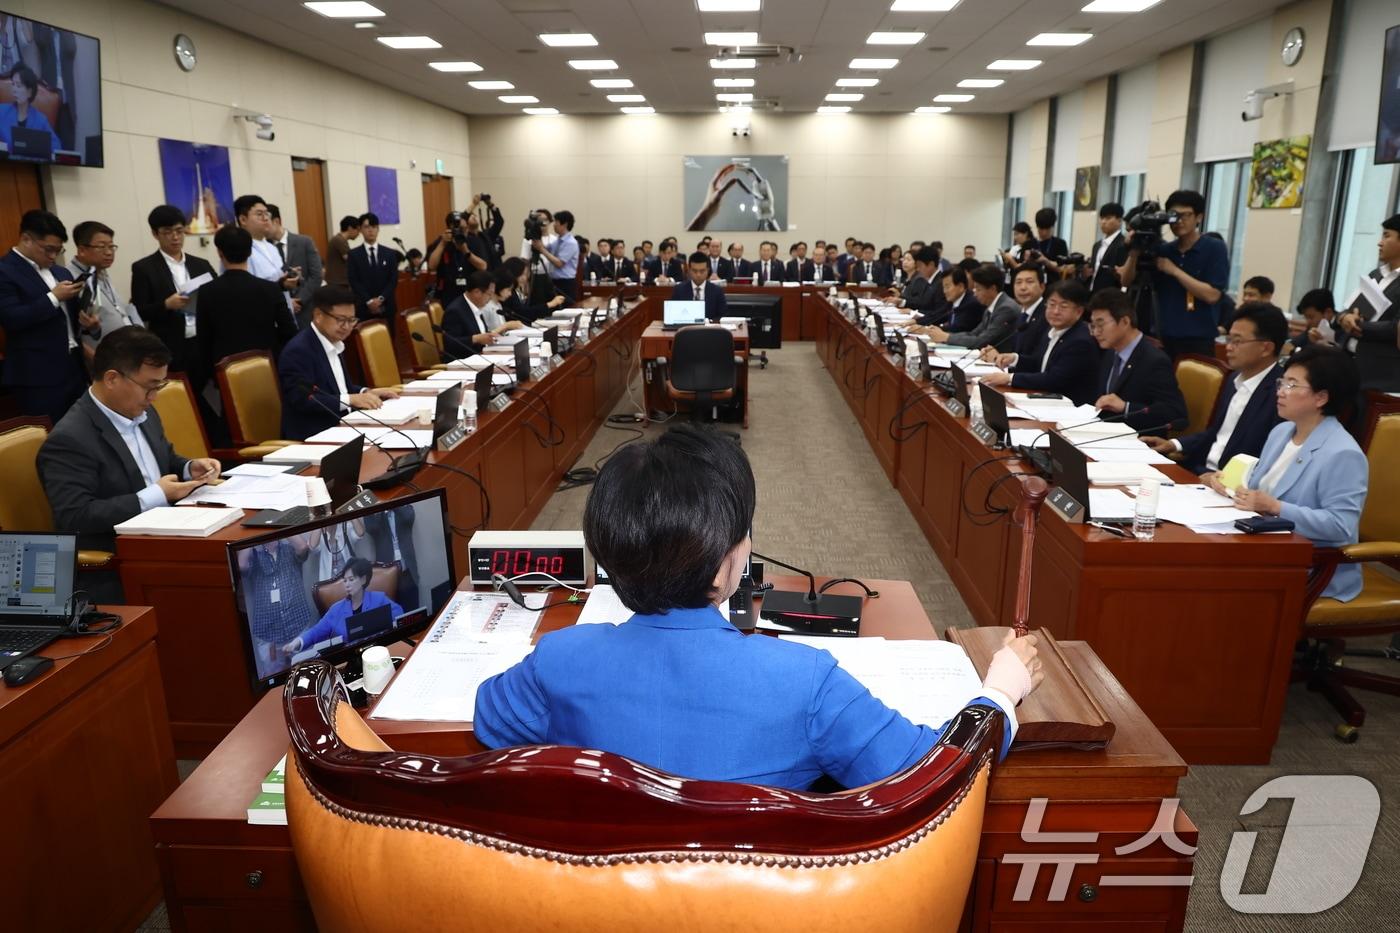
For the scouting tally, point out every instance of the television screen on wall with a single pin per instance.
(1388, 120)
(50, 94)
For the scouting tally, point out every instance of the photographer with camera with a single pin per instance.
(1189, 274)
(451, 259)
(1046, 249)
(562, 256)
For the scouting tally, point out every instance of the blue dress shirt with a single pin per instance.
(686, 692)
(332, 624)
(130, 429)
(565, 249)
(1208, 260)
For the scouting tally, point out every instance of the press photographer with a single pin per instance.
(562, 256)
(451, 259)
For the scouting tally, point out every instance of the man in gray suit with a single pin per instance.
(298, 252)
(998, 325)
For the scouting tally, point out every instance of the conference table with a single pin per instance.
(222, 873)
(1199, 629)
(519, 455)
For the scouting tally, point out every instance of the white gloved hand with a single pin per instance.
(1015, 669)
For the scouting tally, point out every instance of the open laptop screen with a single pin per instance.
(36, 574)
(683, 312)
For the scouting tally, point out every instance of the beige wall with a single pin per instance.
(1166, 150)
(1040, 159)
(1093, 120)
(885, 178)
(320, 112)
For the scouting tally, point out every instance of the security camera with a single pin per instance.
(264, 123)
(266, 134)
(1253, 107)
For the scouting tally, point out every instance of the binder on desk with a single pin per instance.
(1061, 713)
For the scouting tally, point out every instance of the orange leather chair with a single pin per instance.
(376, 348)
(383, 577)
(179, 416)
(426, 354)
(1200, 378)
(435, 314)
(252, 403)
(24, 506)
(570, 839)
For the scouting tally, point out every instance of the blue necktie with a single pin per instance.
(1117, 371)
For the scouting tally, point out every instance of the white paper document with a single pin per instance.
(1139, 453)
(388, 438)
(603, 607)
(183, 523)
(194, 284)
(1110, 505)
(399, 410)
(1198, 506)
(1024, 437)
(436, 386)
(281, 491)
(257, 469)
(1372, 294)
(1124, 474)
(299, 453)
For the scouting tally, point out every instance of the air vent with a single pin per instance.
(763, 53)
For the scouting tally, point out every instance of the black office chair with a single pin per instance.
(703, 368)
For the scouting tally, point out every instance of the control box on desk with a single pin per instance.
(526, 556)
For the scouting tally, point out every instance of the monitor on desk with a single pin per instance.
(680, 313)
(994, 413)
(331, 588)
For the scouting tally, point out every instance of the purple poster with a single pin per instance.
(198, 181)
(382, 185)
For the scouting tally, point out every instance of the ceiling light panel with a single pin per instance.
(626, 98)
(518, 99)
(932, 109)
(1119, 6)
(739, 98)
(981, 82)
(872, 64)
(1014, 64)
(857, 82)
(1061, 38)
(409, 42)
(491, 85)
(567, 40)
(611, 82)
(541, 111)
(844, 98)
(833, 110)
(592, 64)
(728, 6)
(454, 67)
(639, 110)
(731, 39)
(953, 98)
(923, 6)
(345, 10)
(733, 64)
(733, 82)
(895, 38)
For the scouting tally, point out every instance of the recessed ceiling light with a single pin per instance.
(364, 25)
(455, 66)
(562, 40)
(1014, 64)
(873, 64)
(409, 42)
(838, 98)
(922, 6)
(740, 98)
(1061, 38)
(981, 82)
(627, 98)
(541, 111)
(833, 110)
(1119, 6)
(952, 98)
(639, 110)
(518, 99)
(733, 63)
(731, 38)
(728, 6)
(611, 82)
(895, 38)
(932, 109)
(857, 82)
(733, 82)
(491, 85)
(345, 10)
(592, 64)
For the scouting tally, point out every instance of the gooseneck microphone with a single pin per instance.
(402, 468)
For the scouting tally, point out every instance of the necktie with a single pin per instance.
(699, 294)
(373, 255)
(765, 272)
(868, 274)
(281, 250)
(1117, 371)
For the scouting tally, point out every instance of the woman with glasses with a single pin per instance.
(1311, 471)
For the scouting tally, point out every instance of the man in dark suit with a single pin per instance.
(665, 268)
(1135, 378)
(373, 270)
(108, 459)
(963, 309)
(43, 365)
(158, 281)
(1374, 341)
(768, 268)
(1246, 410)
(237, 311)
(799, 268)
(1065, 359)
(618, 266)
(466, 321)
(1028, 288)
(1108, 253)
(866, 269)
(595, 264)
(735, 266)
(297, 252)
(923, 296)
(312, 376)
(997, 325)
(392, 534)
(699, 288)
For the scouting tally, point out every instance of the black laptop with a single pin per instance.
(1071, 468)
(31, 145)
(340, 469)
(37, 571)
(994, 413)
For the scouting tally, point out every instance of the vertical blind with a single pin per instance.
(1069, 113)
(1354, 107)
(1236, 63)
(1019, 170)
(1132, 119)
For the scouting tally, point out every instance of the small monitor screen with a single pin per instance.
(333, 587)
(683, 312)
(36, 574)
(1388, 112)
(50, 94)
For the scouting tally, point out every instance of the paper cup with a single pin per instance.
(378, 667)
(316, 492)
(468, 402)
(426, 413)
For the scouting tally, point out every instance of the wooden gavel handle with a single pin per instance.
(1033, 493)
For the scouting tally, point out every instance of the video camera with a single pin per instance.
(534, 228)
(1145, 223)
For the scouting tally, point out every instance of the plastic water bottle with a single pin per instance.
(592, 277)
(1145, 509)
(755, 278)
(974, 404)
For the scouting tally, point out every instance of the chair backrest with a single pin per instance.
(180, 417)
(435, 314)
(376, 347)
(702, 359)
(23, 504)
(1380, 517)
(1200, 378)
(47, 101)
(548, 837)
(383, 577)
(252, 398)
(425, 351)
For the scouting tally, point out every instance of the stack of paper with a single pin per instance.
(603, 607)
(435, 386)
(476, 361)
(258, 469)
(182, 523)
(280, 491)
(299, 453)
(388, 438)
(1124, 474)
(1199, 508)
(269, 807)
(399, 410)
(1134, 453)
(1110, 505)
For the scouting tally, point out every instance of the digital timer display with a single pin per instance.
(513, 562)
(564, 563)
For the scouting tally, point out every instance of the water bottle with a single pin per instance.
(1145, 509)
(592, 277)
(755, 278)
(974, 404)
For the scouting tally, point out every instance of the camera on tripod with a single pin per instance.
(1145, 223)
(534, 228)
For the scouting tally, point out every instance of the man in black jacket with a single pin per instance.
(1136, 378)
(1373, 340)
(1064, 359)
(237, 311)
(159, 281)
(374, 274)
(1108, 253)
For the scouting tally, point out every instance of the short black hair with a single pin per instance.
(274, 211)
(1260, 283)
(1391, 223)
(329, 296)
(29, 79)
(987, 275)
(480, 280)
(1188, 199)
(414, 252)
(938, 245)
(662, 516)
(1269, 322)
(646, 243)
(566, 218)
(1331, 370)
(927, 256)
(699, 258)
(1071, 290)
(1035, 267)
(970, 246)
(85, 231)
(126, 349)
(1021, 226)
(545, 212)
(166, 215)
(369, 217)
(515, 265)
(1115, 302)
(968, 265)
(1319, 299)
(1046, 217)
(1112, 209)
(243, 206)
(958, 275)
(667, 245)
(601, 241)
(43, 224)
(349, 222)
(360, 567)
(502, 279)
(582, 241)
(233, 243)
(886, 254)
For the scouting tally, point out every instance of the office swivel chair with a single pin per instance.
(1200, 378)
(375, 345)
(703, 368)
(252, 404)
(383, 577)
(179, 416)
(24, 506)
(571, 839)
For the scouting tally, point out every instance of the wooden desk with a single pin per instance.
(657, 343)
(208, 852)
(795, 312)
(187, 580)
(1199, 628)
(85, 756)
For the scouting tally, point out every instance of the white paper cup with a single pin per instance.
(468, 402)
(316, 492)
(378, 667)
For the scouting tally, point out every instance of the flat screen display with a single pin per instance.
(50, 94)
(1388, 117)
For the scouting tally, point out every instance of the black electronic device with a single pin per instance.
(25, 670)
(37, 574)
(522, 362)
(1071, 471)
(341, 471)
(809, 613)
(551, 336)
(994, 415)
(925, 367)
(1263, 524)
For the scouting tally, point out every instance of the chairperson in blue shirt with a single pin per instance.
(24, 87)
(675, 686)
(356, 577)
(1311, 471)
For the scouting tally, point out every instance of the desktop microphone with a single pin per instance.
(813, 612)
(401, 468)
(470, 348)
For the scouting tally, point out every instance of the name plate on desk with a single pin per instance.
(453, 436)
(538, 373)
(1066, 506)
(954, 407)
(363, 500)
(556, 360)
(985, 434)
(498, 403)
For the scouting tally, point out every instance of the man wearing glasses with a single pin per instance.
(99, 309)
(43, 360)
(316, 390)
(108, 459)
(160, 285)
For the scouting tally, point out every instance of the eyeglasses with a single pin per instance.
(1240, 341)
(1291, 386)
(151, 390)
(49, 250)
(1096, 327)
(170, 233)
(102, 248)
(261, 215)
(344, 320)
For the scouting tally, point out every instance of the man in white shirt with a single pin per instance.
(266, 263)
(99, 309)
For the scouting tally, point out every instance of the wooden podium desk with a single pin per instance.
(657, 343)
(795, 310)
(187, 579)
(1198, 628)
(221, 873)
(85, 756)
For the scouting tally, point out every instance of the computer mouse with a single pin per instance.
(18, 673)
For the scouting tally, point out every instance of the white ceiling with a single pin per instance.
(659, 45)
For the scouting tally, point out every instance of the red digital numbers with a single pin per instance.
(515, 563)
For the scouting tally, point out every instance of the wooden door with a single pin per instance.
(309, 182)
(437, 202)
(19, 192)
